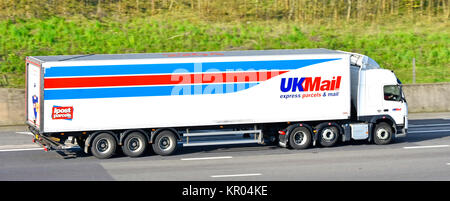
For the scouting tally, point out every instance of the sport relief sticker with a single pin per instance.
(59, 112)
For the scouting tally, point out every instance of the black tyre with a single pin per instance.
(103, 146)
(300, 138)
(328, 136)
(134, 144)
(165, 143)
(382, 133)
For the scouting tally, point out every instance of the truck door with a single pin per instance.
(394, 103)
(34, 98)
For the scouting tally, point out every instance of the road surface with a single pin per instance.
(423, 155)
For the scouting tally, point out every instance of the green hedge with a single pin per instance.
(392, 44)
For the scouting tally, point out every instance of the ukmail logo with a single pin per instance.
(59, 112)
(310, 84)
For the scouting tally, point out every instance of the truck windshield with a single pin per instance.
(372, 64)
(392, 93)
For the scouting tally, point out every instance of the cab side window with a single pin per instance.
(392, 93)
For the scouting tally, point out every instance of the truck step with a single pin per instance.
(203, 138)
(198, 134)
(221, 142)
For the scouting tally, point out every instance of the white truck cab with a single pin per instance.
(378, 94)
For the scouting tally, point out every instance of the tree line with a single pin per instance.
(295, 10)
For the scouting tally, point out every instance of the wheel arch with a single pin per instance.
(124, 134)
(318, 128)
(330, 123)
(159, 130)
(293, 126)
(387, 119)
(373, 120)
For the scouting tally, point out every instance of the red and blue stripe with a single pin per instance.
(136, 80)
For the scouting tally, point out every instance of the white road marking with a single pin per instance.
(29, 149)
(206, 158)
(430, 131)
(25, 133)
(237, 175)
(425, 147)
(20, 147)
(427, 125)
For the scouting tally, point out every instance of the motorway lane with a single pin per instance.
(410, 158)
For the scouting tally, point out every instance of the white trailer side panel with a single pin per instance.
(177, 92)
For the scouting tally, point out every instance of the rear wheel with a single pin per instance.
(382, 133)
(134, 144)
(165, 143)
(328, 136)
(103, 146)
(300, 138)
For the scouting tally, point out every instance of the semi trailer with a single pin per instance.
(164, 101)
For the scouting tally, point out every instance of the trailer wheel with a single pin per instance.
(300, 138)
(328, 136)
(382, 133)
(103, 146)
(134, 144)
(165, 143)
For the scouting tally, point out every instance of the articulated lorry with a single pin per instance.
(164, 101)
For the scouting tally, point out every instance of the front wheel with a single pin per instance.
(165, 143)
(382, 134)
